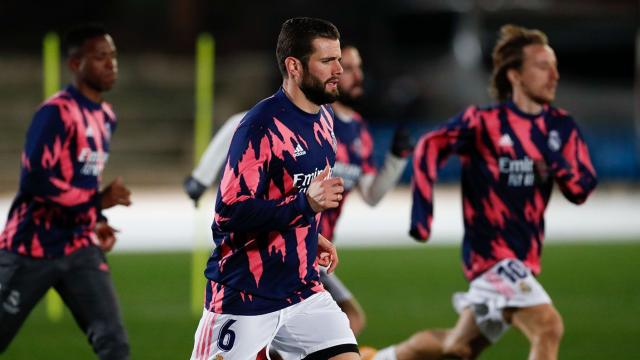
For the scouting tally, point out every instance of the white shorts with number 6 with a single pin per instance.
(297, 331)
(508, 284)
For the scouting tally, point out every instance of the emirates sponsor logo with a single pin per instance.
(519, 172)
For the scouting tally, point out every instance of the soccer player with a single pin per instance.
(56, 235)
(263, 285)
(354, 164)
(511, 155)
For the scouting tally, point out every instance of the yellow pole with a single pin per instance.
(204, 80)
(51, 84)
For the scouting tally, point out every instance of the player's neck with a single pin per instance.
(526, 104)
(297, 97)
(88, 92)
(342, 110)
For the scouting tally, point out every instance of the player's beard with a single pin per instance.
(541, 99)
(314, 89)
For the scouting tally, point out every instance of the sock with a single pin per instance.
(388, 353)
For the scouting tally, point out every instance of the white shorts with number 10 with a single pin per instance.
(297, 331)
(508, 284)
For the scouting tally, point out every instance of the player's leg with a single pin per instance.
(87, 290)
(355, 313)
(23, 282)
(543, 326)
(316, 328)
(345, 300)
(464, 341)
(234, 337)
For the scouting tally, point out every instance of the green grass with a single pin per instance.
(596, 287)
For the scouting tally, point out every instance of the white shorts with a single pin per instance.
(335, 286)
(508, 284)
(313, 325)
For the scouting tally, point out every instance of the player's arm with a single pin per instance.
(430, 155)
(47, 163)
(241, 204)
(212, 161)
(374, 185)
(570, 165)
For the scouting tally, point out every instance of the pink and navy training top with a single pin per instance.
(58, 202)
(265, 232)
(504, 192)
(354, 159)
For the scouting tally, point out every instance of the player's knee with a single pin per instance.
(457, 349)
(426, 344)
(357, 321)
(554, 329)
(110, 343)
(551, 327)
(355, 314)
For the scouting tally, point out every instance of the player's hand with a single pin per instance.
(106, 235)
(324, 192)
(327, 254)
(541, 171)
(114, 194)
(402, 145)
(193, 188)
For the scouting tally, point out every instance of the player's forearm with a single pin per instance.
(576, 178)
(256, 215)
(45, 187)
(576, 186)
(374, 187)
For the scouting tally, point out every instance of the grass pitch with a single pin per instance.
(596, 287)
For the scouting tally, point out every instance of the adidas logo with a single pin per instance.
(505, 141)
(299, 151)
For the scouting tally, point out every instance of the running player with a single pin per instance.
(55, 233)
(263, 285)
(511, 155)
(354, 164)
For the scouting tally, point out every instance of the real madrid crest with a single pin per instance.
(554, 141)
(524, 287)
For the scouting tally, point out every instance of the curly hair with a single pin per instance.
(508, 54)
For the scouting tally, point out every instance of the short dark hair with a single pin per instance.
(508, 54)
(296, 37)
(76, 37)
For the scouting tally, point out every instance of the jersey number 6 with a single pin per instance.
(227, 337)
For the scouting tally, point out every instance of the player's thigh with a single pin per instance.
(536, 320)
(315, 329)
(23, 282)
(87, 289)
(465, 336)
(233, 336)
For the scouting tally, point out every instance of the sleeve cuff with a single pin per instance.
(304, 206)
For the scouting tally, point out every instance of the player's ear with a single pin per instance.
(514, 76)
(74, 63)
(293, 66)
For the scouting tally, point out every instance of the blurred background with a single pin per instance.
(424, 61)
